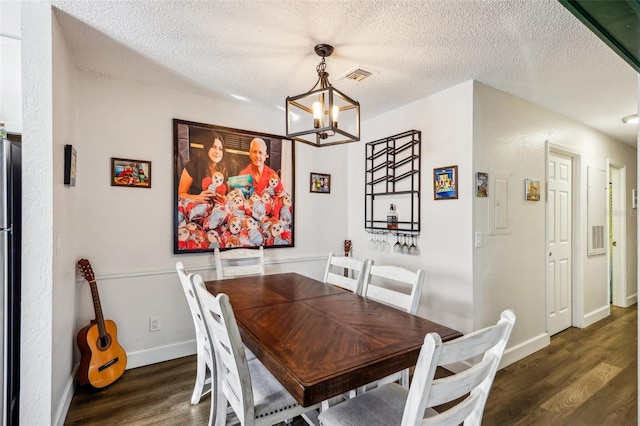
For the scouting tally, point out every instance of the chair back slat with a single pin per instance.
(473, 345)
(334, 275)
(231, 362)
(475, 382)
(239, 262)
(453, 387)
(458, 416)
(394, 276)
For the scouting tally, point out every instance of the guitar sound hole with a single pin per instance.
(104, 342)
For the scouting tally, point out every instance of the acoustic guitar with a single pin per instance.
(347, 252)
(103, 359)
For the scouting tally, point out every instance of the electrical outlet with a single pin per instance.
(154, 323)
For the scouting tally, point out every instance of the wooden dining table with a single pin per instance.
(319, 340)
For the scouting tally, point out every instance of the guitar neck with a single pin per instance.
(98, 308)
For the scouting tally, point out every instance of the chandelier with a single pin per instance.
(323, 116)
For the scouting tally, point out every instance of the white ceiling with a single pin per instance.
(263, 50)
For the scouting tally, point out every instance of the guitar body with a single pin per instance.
(100, 364)
(103, 359)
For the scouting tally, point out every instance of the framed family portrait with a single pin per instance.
(233, 188)
(133, 173)
(320, 182)
(445, 183)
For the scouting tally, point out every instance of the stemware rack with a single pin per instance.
(393, 176)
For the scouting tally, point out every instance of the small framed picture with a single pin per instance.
(69, 165)
(320, 182)
(445, 183)
(125, 172)
(532, 190)
(482, 185)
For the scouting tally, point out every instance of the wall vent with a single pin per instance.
(356, 74)
(597, 235)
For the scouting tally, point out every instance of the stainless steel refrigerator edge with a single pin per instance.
(10, 260)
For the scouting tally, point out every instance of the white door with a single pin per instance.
(617, 243)
(559, 213)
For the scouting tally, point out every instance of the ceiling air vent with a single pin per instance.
(356, 74)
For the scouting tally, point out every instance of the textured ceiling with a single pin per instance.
(263, 51)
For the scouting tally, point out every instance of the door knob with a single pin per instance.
(614, 244)
(549, 254)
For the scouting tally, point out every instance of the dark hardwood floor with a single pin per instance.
(585, 377)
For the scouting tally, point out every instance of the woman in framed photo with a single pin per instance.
(204, 167)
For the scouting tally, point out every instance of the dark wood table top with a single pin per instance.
(319, 340)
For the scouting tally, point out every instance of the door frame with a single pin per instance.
(619, 296)
(577, 288)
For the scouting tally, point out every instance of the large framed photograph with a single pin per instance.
(126, 172)
(445, 183)
(320, 182)
(233, 188)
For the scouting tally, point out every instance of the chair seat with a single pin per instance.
(381, 406)
(269, 396)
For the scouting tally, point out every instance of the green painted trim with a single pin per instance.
(594, 25)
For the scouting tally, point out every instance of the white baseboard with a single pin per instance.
(160, 354)
(595, 316)
(65, 401)
(512, 354)
(524, 349)
(632, 300)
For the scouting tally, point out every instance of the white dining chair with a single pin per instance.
(392, 404)
(256, 396)
(239, 262)
(399, 288)
(205, 361)
(334, 272)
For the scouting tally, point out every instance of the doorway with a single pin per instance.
(616, 207)
(560, 242)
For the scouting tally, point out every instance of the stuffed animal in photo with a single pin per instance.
(215, 183)
(252, 228)
(275, 187)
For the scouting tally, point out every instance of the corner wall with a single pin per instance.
(65, 217)
(36, 360)
(510, 136)
(445, 120)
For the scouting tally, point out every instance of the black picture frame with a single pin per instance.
(201, 226)
(445, 183)
(130, 173)
(320, 183)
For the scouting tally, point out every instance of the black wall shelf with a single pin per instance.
(392, 175)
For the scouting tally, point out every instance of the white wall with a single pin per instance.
(37, 220)
(510, 135)
(479, 128)
(65, 217)
(445, 120)
(126, 233)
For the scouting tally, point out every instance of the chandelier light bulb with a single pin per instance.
(335, 112)
(317, 114)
